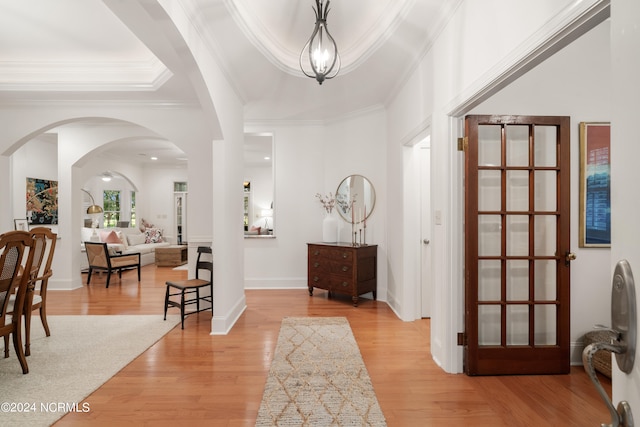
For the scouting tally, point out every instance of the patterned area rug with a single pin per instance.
(318, 378)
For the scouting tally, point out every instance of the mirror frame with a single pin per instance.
(344, 199)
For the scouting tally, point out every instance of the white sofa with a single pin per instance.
(130, 240)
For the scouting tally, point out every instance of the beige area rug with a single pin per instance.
(317, 378)
(81, 354)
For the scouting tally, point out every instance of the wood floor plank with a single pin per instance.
(192, 378)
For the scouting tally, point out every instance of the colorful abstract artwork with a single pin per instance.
(42, 201)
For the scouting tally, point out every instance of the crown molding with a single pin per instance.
(43, 103)
(262, 124)
(84, 76)
(565, 27)
(351, 57)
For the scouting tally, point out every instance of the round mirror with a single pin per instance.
(355, 198)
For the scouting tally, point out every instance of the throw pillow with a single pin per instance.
(153, 235)
(111, 237)
(123, 239)
(104, 234)
(135, 239)
(144, 225)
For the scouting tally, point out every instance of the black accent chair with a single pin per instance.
(189, 290)
(100, 260)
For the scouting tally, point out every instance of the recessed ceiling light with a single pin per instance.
(267, 158)
(154, 158)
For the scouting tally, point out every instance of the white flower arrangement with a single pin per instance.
(328, 202)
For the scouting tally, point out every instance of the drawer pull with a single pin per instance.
(316, 253)
(345, 255)
(345, 268)
(316, 264)
(345, 284)
(316, 279)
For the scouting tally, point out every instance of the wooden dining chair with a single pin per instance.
(14, 253)
(43, 247)
(188, 290)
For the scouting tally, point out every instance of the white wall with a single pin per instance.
(584, 94)
(481, 44)
(38, 159)
(311, 159)
(156, 198)
(625, 174)
(299, 174)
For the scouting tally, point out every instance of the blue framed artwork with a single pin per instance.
(595, 185)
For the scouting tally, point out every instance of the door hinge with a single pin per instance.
(462, 338)
(463, 143)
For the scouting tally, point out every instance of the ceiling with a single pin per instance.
(78, 50)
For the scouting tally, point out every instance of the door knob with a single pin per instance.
(568, 257)
(426, 241)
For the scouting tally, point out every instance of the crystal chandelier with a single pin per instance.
(319, 58)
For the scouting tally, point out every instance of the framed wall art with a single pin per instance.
(595, 185)
(42, 201)
(21, 224)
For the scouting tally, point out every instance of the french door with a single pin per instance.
(517, 253)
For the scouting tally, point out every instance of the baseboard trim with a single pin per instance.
(65, 285)
(276, 283)
(221, 325)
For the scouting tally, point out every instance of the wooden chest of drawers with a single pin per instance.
(343, 268)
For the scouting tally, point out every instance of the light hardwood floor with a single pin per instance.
(192, 378)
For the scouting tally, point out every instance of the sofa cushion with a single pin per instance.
(145, 248)
(136, 239)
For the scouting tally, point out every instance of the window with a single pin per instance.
(111, 203)
(133, 209)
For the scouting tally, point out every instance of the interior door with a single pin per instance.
(517, 253)
(424, 153)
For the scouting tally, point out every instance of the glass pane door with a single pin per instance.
(517, 233)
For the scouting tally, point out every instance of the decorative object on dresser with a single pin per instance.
(343, 268)
(330, 222)
(355, 199)
(171, 256)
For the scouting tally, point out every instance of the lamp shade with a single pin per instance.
(94, 209)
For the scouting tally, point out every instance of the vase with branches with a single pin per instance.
(330, 223)
(328, 202)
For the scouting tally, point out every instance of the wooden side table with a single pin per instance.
(171, 256)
